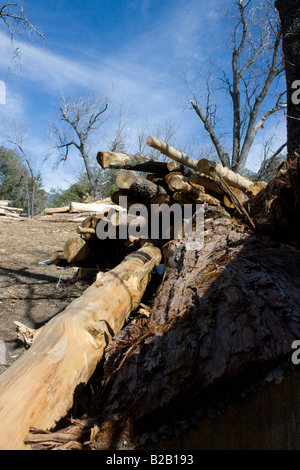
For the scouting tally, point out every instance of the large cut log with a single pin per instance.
(138, 186)
(6, 212)
(11, 209)
(131, 162)
(57, 210)
(38, 389)
(221, 322)
(170, 152)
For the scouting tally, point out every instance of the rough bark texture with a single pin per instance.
(138, 186)
(289, 12)
(131, 162)
(223, 318)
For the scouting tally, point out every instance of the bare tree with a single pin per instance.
(14, 17)
(16, 134)
(80, 117)
(256, 63)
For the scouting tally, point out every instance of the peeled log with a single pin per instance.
(170, 152)
(131, 162)
(232, 179)
(98, 208)
(38, 389)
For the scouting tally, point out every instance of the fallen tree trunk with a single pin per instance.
(208, 335)
(38, 389)
(131, 162)
(222, 323)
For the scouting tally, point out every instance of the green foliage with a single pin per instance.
(82, 189)
(76, 192)
(14, 177)
(16, 184)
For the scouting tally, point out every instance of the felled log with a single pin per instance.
(87, 228)
(233, 179)
(169, 151)
(176, 183)
(77, 250)
(56, 210)
(98, 208)
(38, 389)
(138, 186)
(5, 212)
(130, 199)
(175, 166)
(137, 162)
(220, 324)
(241, 197)
(206, 181)
(182, 198)
(11, 209)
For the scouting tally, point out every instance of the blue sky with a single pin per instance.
(136, 49)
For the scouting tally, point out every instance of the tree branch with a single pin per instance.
(224, 158)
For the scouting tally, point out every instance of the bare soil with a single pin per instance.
(29, 292)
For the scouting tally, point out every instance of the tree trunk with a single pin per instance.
(38, 389)
(220, 322)
(289, 12)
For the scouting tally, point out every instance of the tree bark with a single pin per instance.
(289, 12)
(138, 186)
(220, 322)
(38, 389)
(131, 162)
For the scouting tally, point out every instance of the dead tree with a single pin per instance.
(250, 50)
(81, 118)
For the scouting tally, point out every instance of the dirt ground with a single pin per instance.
(29, 292)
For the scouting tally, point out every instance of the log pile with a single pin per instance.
(9, 213)
(213, 319)
(76, 211)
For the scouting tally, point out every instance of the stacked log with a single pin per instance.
(9, 213)
(77, 211)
